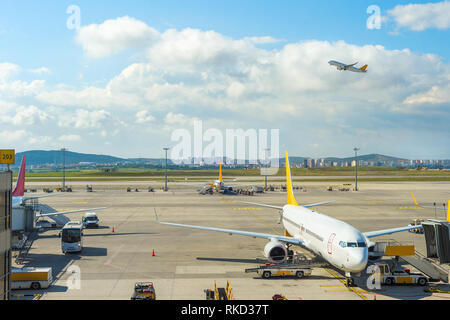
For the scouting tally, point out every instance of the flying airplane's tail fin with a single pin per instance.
(20, 185)
(220, 172)
(290, 194)
(364, 67)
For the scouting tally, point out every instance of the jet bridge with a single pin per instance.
(437, 239)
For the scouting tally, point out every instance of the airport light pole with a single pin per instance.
(165, 185)
(267, 165)
(64, 168)
(356, 168)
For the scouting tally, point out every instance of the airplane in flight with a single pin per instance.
(349, 67)
(336, 241)
(18, 198)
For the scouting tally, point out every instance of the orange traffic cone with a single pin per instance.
(153, 254)
(113, 229)
(374, 297)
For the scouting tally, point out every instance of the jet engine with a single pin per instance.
(275, 252)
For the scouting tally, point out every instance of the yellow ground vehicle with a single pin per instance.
(399, 276)
(144, 291)
(31, 278)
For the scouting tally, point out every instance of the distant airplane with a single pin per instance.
(337, 242)
(349, 67)
(217, 185)
(18, 198)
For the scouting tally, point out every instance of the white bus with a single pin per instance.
(72, 237)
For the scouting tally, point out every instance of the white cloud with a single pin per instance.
(27, 116)
(69, 138)
(40, 71)
(83, 119)
(7, 70)
(143, 116)
(113, 36)
(7, 137)
(418, 17)
(262, 40)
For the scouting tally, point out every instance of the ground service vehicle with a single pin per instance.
(90, 220)
(144, 291)
(399, 276)
(72, 237)
(31, 278)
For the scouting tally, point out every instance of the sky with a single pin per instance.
(121, 76)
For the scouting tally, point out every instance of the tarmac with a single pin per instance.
(186, 261)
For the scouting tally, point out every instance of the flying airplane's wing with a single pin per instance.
(427, 207)
(351, 65)
(40, 215)
(377, 233)
(242, 233)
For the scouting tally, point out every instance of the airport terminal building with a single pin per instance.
(5, 234)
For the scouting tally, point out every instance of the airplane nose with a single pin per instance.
(358, 260)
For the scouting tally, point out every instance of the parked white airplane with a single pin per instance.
(18, 198)
(349, 67)
(337, 242)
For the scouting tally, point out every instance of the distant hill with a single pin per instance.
(41, 157)
(55, 157)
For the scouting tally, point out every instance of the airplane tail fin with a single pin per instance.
(220, 172)
(20, 185)
(415, 202)
(290, 194)
(364, 67)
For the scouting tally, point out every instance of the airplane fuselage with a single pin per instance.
(337, 242)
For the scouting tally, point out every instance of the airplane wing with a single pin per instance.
(317, 204)
(427, 207)
(242, 233)
(40, 215)
(281, 208)
(351, 65)
(262, 205)
(383, 232)
(40, 196)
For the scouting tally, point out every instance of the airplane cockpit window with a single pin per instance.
(342, 244)
(361, 244)
(352, 244)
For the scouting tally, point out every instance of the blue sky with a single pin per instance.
(416, 106)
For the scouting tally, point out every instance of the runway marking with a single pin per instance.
(332, 285)
(409, 208)
(84, 202)
(350, 289)
(240, 208)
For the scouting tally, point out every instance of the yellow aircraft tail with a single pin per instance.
(220, 172)
(290, 194)
(415, 202)
(364, 67)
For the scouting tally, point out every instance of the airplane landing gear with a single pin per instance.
(350, 282)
